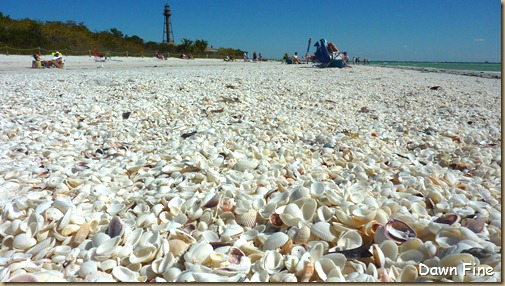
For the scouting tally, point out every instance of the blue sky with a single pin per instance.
(416, 30)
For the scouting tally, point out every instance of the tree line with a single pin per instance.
(69, 35)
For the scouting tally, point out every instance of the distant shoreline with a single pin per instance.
(483, 74)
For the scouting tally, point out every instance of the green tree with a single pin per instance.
(186, 46)
(200, 46)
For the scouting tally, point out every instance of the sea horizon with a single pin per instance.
(488, 67)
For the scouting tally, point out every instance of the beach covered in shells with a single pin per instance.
(138, 169)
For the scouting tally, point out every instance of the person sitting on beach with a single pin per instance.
(58, 58)
(182, 56)
(159, 56)
(47, 64)
(345, 58)
(296, 59)
(286, 59)
(331, 48)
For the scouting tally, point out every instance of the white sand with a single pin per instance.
(358, 128)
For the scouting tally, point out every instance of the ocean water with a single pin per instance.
(457, 66)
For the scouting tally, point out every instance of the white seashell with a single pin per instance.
(113, 209)
(107, 265)
(408, 274)
(323, 266)
(324, 213)
(186, 276)
(198, 252)
(99, 238)
(290, 262)
(146, 220)
(63, 204)
(349, 239)
(323, 230)
(161, 265)
(107, 247)
(272, 262)
(276, 240)
(389, 249)
(65, 220)
(134, 238)
(317, 189)
(247, 218)
(171, 274)
(308, 209)
(143, 253)
(23, 241)
(46, 243)
(411, 255)
(245, 165)
(124, 274)
(233, 230)
(62, 250)
(88, 268)
(453, 260)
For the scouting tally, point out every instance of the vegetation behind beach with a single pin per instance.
(25, 35)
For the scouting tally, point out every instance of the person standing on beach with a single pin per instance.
(260, 57)
(255, 57)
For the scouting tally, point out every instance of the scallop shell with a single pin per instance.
(323, 230)
(276, 240)
(247, 218)
(23, 241)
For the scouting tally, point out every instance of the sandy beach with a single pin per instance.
(138, 169)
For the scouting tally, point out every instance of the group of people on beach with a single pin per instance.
(256, 57)
(332, 51)
(56, 61)
(357, 60)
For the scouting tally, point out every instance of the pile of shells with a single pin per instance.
(219, 187)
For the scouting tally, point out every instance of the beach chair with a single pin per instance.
(99, 57)
(323, 58)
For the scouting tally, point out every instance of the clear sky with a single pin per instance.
(415, 30)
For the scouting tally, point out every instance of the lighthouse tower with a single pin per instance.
(168, 33)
